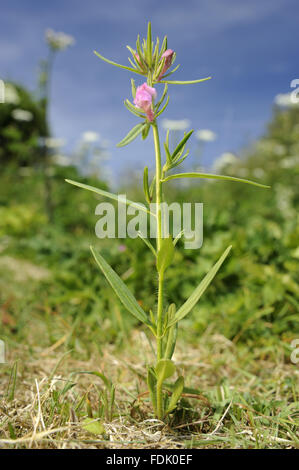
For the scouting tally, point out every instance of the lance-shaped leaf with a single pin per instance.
(132, 135)
(171, 335)
(146, 185)
(176, 394)
(133, 87)
(131, 69)
(172, 71)
(168, 157)
(163, 47)
(164, 369)
(149, 49)
(152, 386)
(140, 53)
(165, 254)
(216, 177)
(188, 82)
(164, 107)
(148, 244)
(162, 97)
(115, 197)
(181, 145)
(133, 110)
(156, 50)
(200, 289)
(145, 131)
(121, 290)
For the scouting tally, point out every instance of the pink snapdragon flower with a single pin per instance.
(144, 100)
(168, 60)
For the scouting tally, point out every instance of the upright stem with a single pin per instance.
(161, 277)
(158, 184)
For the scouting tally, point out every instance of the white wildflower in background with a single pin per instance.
(206, 135)
(11, 94)
(53, 143)
(22, 115)
(90, 137)
(61, 160)
(224, 160)
(284, 100)
(58, 41)
(290, 162)
(175, 125)
(258, 172)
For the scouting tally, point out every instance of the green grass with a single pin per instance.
(247, 394)
(59, 318)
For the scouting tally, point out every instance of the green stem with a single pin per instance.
(159, 401)
(158, 184)
(161, 276)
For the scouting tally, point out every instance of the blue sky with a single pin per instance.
(249, 47)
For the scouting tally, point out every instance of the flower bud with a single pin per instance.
(144, 100)
(167, 55)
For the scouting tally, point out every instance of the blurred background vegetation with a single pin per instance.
(46, 226)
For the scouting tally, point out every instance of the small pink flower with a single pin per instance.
(144, 100)
(168, 54)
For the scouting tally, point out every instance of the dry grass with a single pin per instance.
(247, 400)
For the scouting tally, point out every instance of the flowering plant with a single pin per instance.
(154, 63)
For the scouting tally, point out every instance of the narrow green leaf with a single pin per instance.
(140, 53)
(162, 97)
(167, 153)
(176, 394)
(156, 50)
(134, 57)
(159, 69)
(11, 388)
(172, 71)
(148, 244)
(133, 110)
(167, 137)
(145, 131)
(133, 86)
(165, 254)
(188, 82)
(200, 289)
(149, 44)
(103, 377)
(171, 334)
(180, 160)
(131, 69)
(121, 290)
(152, 386)
(152, 187)
(181, 145)
(146, 186)
(132, 63)
(131, 135)
(115, 197)
(164, 369)
(178, 237)
(163, 47)
(217, 177)
(164, 107)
